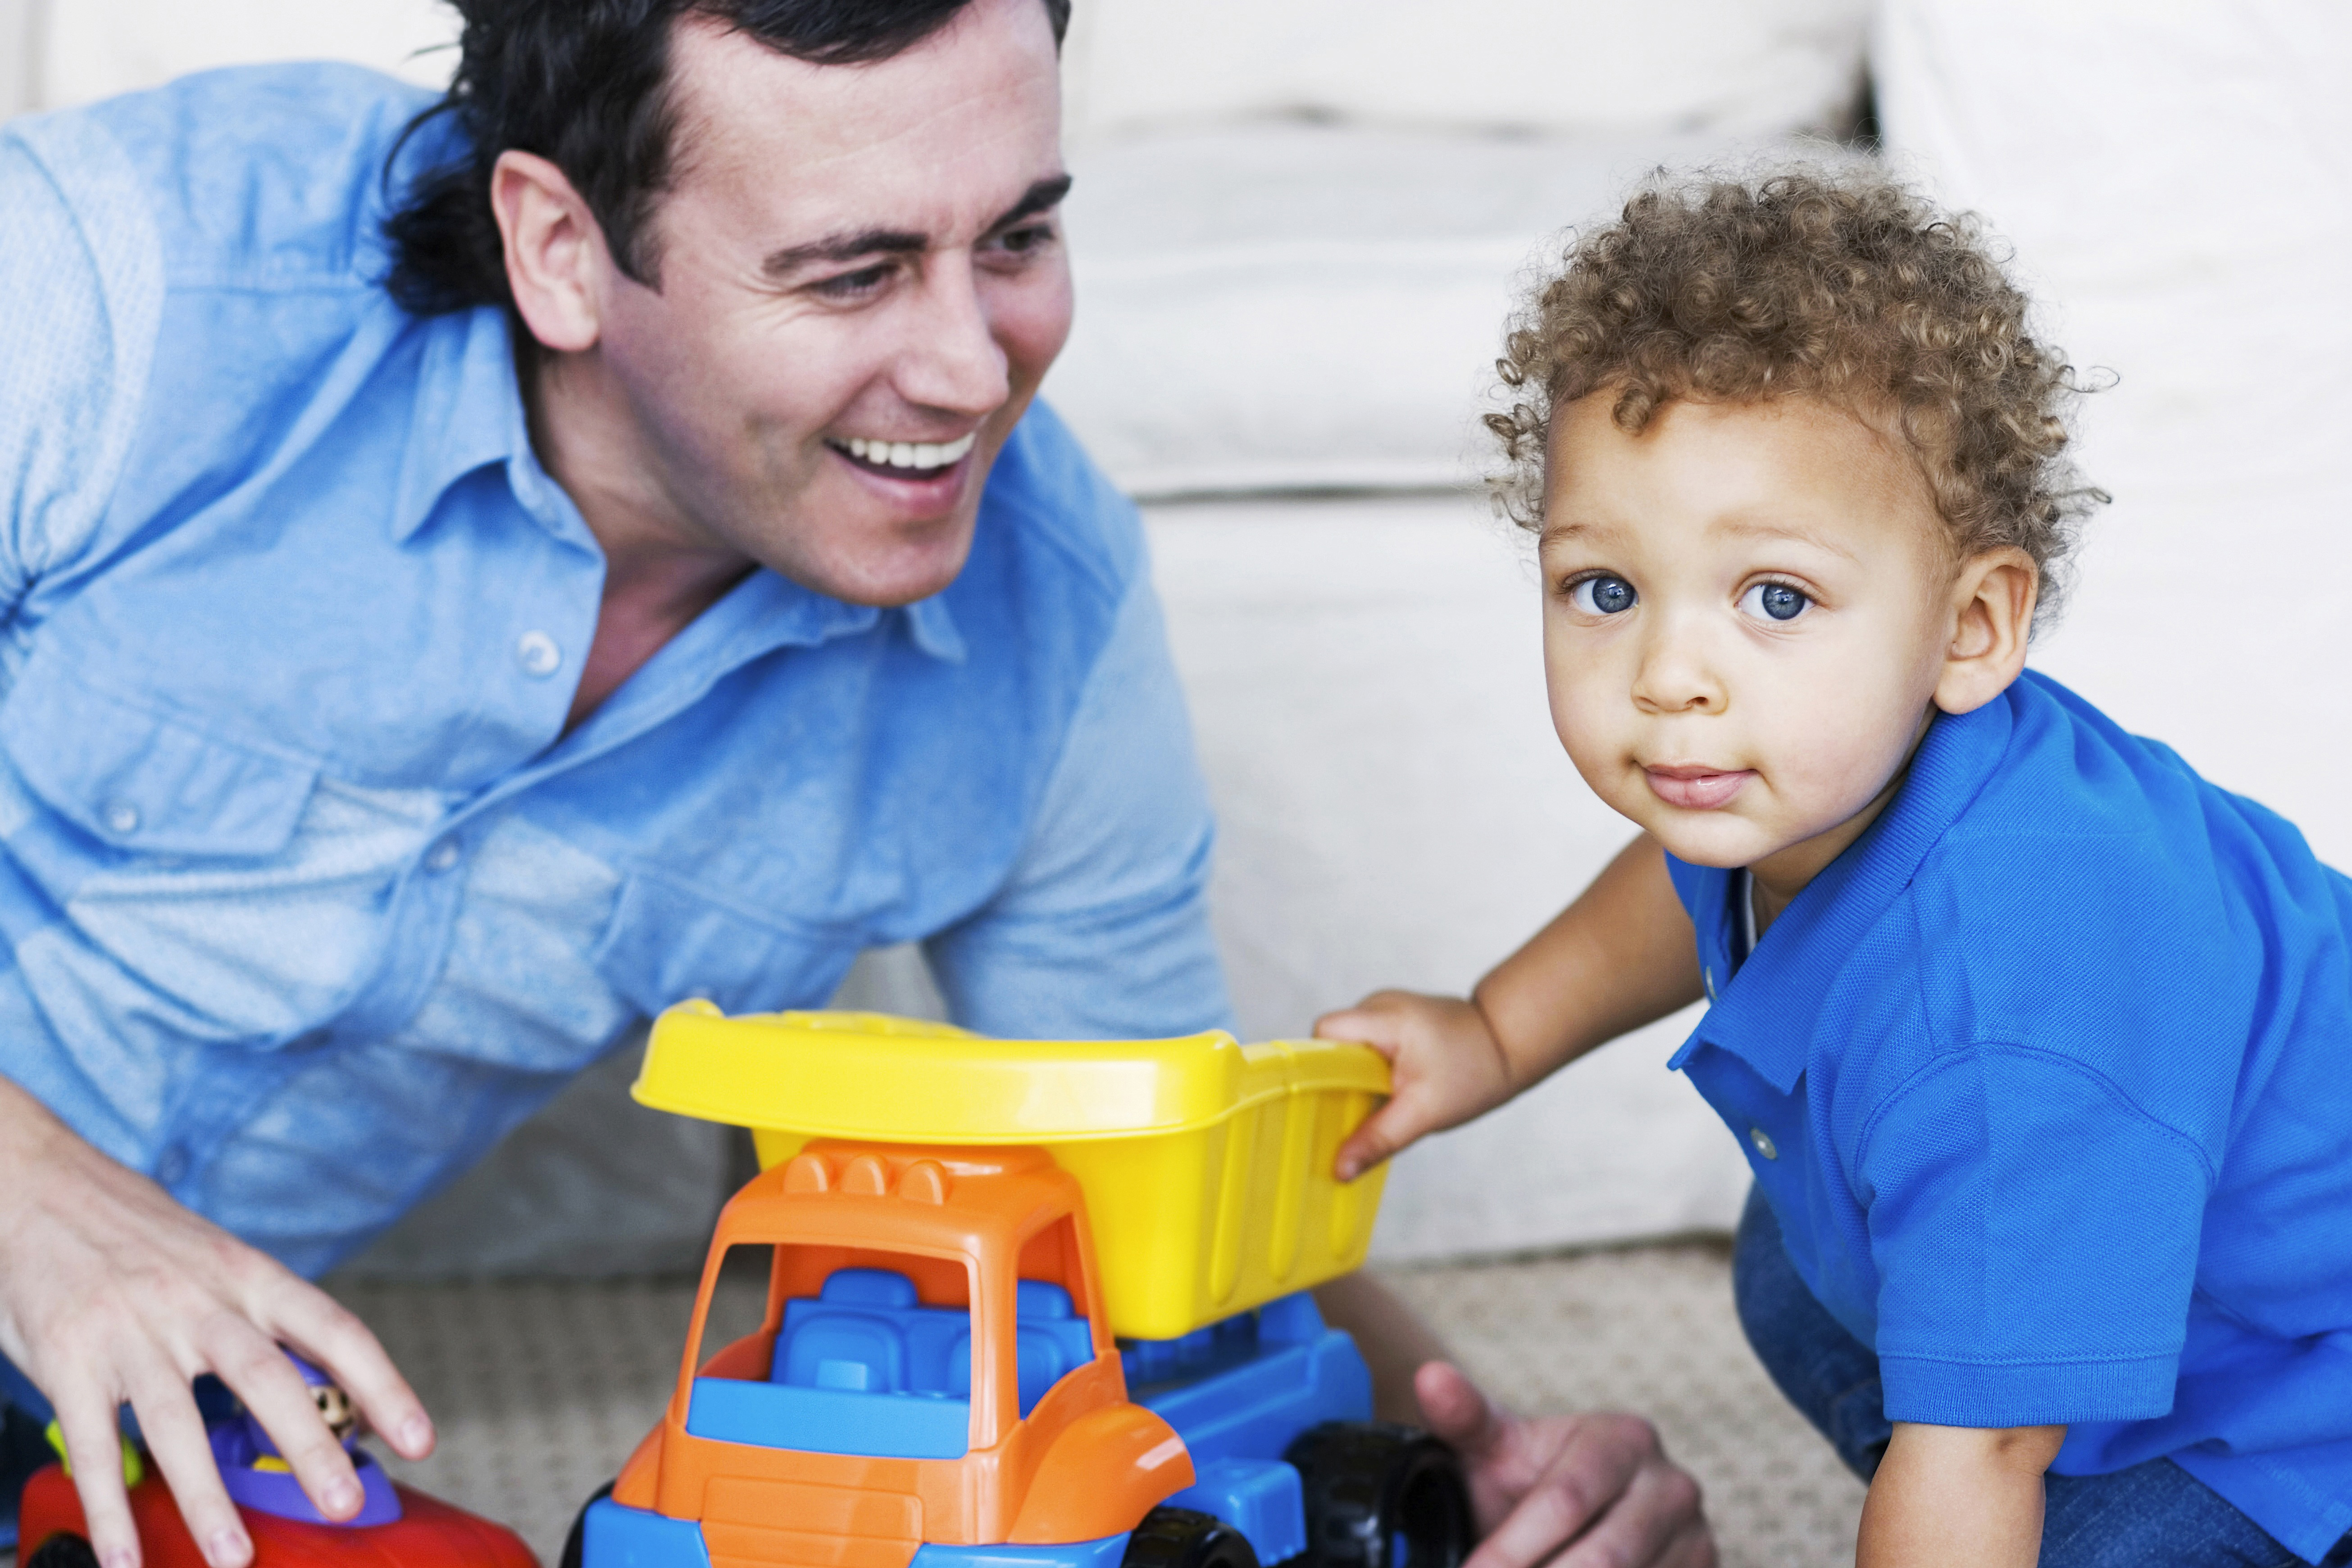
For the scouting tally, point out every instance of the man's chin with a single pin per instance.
(885, 575)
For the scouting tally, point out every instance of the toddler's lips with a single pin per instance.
(1696, 788)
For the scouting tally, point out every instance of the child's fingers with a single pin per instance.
(1379, 1136)
(1363, 1025)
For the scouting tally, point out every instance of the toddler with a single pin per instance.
(2040, 1045)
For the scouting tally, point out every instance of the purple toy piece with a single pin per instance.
(239, 1443)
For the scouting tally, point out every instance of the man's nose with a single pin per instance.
(953, 361)
(1675, 675)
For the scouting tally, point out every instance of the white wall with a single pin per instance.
(18, 46)
(94, 49)
(2176, 181)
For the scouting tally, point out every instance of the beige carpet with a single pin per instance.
(541, 1388)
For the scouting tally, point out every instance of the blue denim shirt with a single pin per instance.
(307, 897)
(2044, 1079)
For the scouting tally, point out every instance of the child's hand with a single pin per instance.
(1446, 1064)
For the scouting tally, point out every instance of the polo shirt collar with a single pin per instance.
(1764, 1014)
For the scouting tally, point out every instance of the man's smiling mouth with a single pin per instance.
(905, 459)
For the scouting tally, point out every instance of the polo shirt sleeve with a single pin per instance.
(2036, 1235)
(1101, 931)
(81, 271)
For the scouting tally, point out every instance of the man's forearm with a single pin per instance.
(1962, 1496)
(1620, 956)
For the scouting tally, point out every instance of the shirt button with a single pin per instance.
(1763, 1142)
(121, 817)
(443, 855)
(172, 1165)
(1707, 975)
(537, 655)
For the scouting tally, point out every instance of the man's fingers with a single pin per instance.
(1452, 1407)
(1656, 1511)
(262, 1376)
(175, 1440)
(94, 1450)
(1692, 1546)
(1586, 1477)
(336, 1341)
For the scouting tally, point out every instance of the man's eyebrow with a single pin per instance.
(835, 250)
(1043, 197)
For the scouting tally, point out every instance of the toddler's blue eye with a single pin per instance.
(1775, 601)
(1602, 595)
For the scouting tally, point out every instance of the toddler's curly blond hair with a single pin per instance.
(1833, 283)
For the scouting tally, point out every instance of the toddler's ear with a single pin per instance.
(1991, 608)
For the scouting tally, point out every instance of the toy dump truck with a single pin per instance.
(1028, 1306)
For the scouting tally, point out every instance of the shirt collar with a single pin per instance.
(470, 415)
(1764, 1014)
(769, 611)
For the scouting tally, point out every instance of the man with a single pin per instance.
(474, 580)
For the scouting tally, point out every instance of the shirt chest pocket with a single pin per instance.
(140, 784)
(667, 942)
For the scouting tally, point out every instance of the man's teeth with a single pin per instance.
(909, 454)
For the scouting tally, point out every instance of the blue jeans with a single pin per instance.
(2152, 1513)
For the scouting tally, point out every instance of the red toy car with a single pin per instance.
(429, 1533)
(395, 1527)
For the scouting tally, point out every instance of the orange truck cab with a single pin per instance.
(936, 1379)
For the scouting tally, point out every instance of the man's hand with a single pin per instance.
(1570, 1491)
(1446, 1066)
(111, 1293)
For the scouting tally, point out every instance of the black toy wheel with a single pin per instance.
(1181, 1538)
(1381, 1496)
(63, 1550)
(576, 1546)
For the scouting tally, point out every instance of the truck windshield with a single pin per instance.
(870, 1354)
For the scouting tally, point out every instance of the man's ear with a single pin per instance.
(556, 262)
(1991, 603)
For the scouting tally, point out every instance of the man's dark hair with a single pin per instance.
(586, 84)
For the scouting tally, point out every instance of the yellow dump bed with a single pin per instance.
(1206, 1163)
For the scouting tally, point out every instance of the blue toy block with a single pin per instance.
(830, 1420)
(1265, 1380)
(1103, 1553)
(863, 1367)
(1260, 1497)
(1239, 1393)
(618, 1536)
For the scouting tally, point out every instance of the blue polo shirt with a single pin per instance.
(2048, 1079)
(306, 895)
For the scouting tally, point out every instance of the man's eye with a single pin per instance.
(848, 285)
(1774, 602)
(1602, 595)
(1021, 241)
